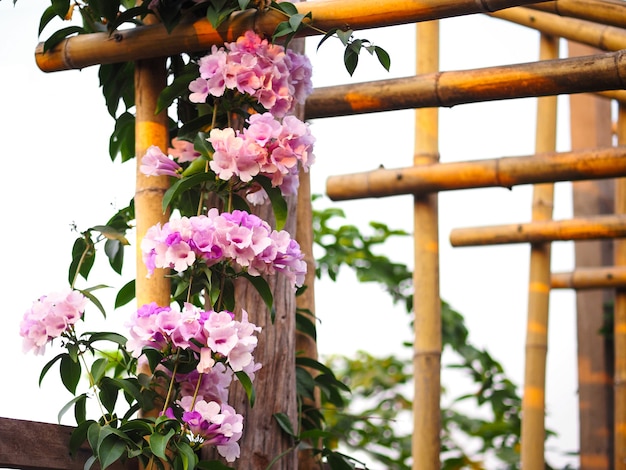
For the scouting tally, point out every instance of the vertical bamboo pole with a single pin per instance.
(620, 315)
(427, 302)
(533, 403)
(590, 124)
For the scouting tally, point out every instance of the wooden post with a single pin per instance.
(590, 124)
(533, 401)
(427, 302)
(620, 318)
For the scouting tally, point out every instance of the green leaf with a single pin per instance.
(83, 257)
(279, 205)
(115, 253)
(122, 140)
(285, 424)
(217, 16)
(107, 336)
(79, 436)
(331, 32)
(111, 449)
(47, 16)
(187, 455)
(350, 59)
(158, 443)
(61, 7)
(247, 386)
(126, 294)
(202, 145)
(345, 36)
(111, 233)
(70, 373)
(108, 394)
(383, 57)
(60, 35)
(129, 15)
(94, 301)
(185, 184)
(98, 368)
(69, 404)
(305, 325)
(47, 367)
(286, 7)
(263, 288)
(179, 87)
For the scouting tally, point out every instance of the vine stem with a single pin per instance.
(172, 380)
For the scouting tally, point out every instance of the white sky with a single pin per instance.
(55, 129)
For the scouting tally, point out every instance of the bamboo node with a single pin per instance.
(118, 37)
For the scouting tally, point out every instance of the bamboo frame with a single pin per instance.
(590, 278)
(533, 400)
(619, 323)
(154, 41)
(599, 72)
(503, 172)
(590, 228)
(600, 36)
(609, 12)
(426, 441)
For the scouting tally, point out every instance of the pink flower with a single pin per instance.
(49, 317)
(156, 163)
(183, 151)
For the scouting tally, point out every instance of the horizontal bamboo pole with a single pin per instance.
(600, 36)
(590, 278)
(591, 228)
(617, 95)
(593, 73)
(499, 172)
(610, 12)
(154, 41)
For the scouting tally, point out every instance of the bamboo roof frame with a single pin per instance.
(609, 12)
(589, 228)
(154, 41)
(504, 172)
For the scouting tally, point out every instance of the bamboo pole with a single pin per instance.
(610, 12)
(599, 72)
(590, 278)
(427, 303)
(154, 41)
(503, 172)
(590, 126)
(533, 401)
(150, 129)
(601, 36)
(591, 228)
(619, 331)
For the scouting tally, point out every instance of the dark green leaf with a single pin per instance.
(285, 424)
(49, 364)
(60, 35)
(179, 87)
(383, 57)
(61, 7)
(107, 336)
(279, 205)
(328, 34)
(158, 443)
(263, 288)
(70, 373)
(122, 139)
(87, 293)
(185, 184)
(350, 59)
(111, 449)
(115, 253)
(305, 325)
(69, 404)
(47, 16)
(79, 436)
(129, 15)
(247, 386)
(126, 294)
(98, 368)
(83, 257)
(286, 7)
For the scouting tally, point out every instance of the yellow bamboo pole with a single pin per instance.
(619, 331)
(504, 172)
(150, 129)
(610, 12)
(154, 41)
(600, 36)
(591, 228)
(590, 278)
(427, 303)
(600, 72)
(533, 401)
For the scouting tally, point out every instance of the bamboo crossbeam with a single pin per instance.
(503, 172)
(601, 36)
(154, 41)
(590, 278)
(590, 228)
(599, 72)
(610, 12)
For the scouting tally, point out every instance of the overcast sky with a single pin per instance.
(56, 130)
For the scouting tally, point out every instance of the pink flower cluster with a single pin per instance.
(49, 317)
(220, 345)
(237, 237)
(267, 147)
(156, 163)
(277, 78)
